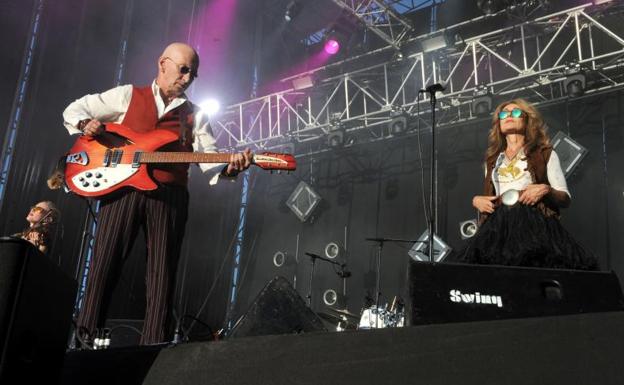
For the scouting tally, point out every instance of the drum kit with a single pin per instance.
(372, 317)
(375, 316)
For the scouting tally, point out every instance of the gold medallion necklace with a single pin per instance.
(510, 170)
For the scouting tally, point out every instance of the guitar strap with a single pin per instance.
(186, 123)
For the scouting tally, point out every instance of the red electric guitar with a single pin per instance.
(117, 158)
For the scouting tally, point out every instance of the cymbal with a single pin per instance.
(346, 312)
(329, 317)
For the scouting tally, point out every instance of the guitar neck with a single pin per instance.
(184, 157)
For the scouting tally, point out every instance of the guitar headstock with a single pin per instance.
(275, 161)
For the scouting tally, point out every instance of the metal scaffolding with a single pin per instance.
(533, 59)
(379, 18)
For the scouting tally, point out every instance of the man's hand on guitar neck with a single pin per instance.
(91, 127)
(238, 163)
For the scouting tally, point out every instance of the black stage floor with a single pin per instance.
(576, 349)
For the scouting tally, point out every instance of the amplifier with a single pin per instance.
(449, 292)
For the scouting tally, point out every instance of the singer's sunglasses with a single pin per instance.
(37, 209)
(515, 113)
(184, 69)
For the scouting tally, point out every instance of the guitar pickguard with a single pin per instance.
(103, 178)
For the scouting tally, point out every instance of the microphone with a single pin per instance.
(433, 88)
(343, 273)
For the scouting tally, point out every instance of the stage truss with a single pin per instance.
(530, 59)
(379, 18)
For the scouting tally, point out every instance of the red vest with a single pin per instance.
(142, 116)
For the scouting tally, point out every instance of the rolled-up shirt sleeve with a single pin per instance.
(204, 141)
(108, 107)
(556, 178)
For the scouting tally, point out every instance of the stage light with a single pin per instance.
(490, 7)
(467, 229)
(337, 37)
(570, 153)
(303, 82)
(420, 250)
(435, 43)
(303, 201)
(292, 10)
(210, 106)
(336, 134)
(545, 4)
(398, 124)
(575, 80)
(575, 85)
(332, 46)
(482, 101)
(335, 139)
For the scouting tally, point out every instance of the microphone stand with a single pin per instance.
(309, 296)
(313, 258)
(431, 90)
(87, 236)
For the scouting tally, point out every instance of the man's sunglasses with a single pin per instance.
(515, 113)
(184, 69)
(37, 209)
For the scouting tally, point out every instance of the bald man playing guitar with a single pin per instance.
(162, 212)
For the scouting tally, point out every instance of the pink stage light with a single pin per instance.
(332, 46)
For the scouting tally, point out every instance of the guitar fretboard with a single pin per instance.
(184, 157)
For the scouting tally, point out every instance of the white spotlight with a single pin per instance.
(210, 106)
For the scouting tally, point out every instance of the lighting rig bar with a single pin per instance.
(536, 59)
(406, 6)
(379, 18)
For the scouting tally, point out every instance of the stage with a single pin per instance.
(577, 349)
(335, 144)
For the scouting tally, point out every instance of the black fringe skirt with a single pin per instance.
(522, 236)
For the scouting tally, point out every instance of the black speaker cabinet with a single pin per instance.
(450, 292)
(575, 349)
(278, 309)
(36, 303)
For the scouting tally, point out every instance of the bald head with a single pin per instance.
(177, 68)
(181, 49)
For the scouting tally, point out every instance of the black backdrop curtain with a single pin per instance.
(368, 190)
(79, 51)
(374, 190)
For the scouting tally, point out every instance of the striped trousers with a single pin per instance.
(162, 215)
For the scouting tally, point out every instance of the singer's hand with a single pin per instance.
(485, 204)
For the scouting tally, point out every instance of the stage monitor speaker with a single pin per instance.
(450, 292)
(277, 309)
(36, 304)
(573, 349)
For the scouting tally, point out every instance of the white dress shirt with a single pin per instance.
(111, 107)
